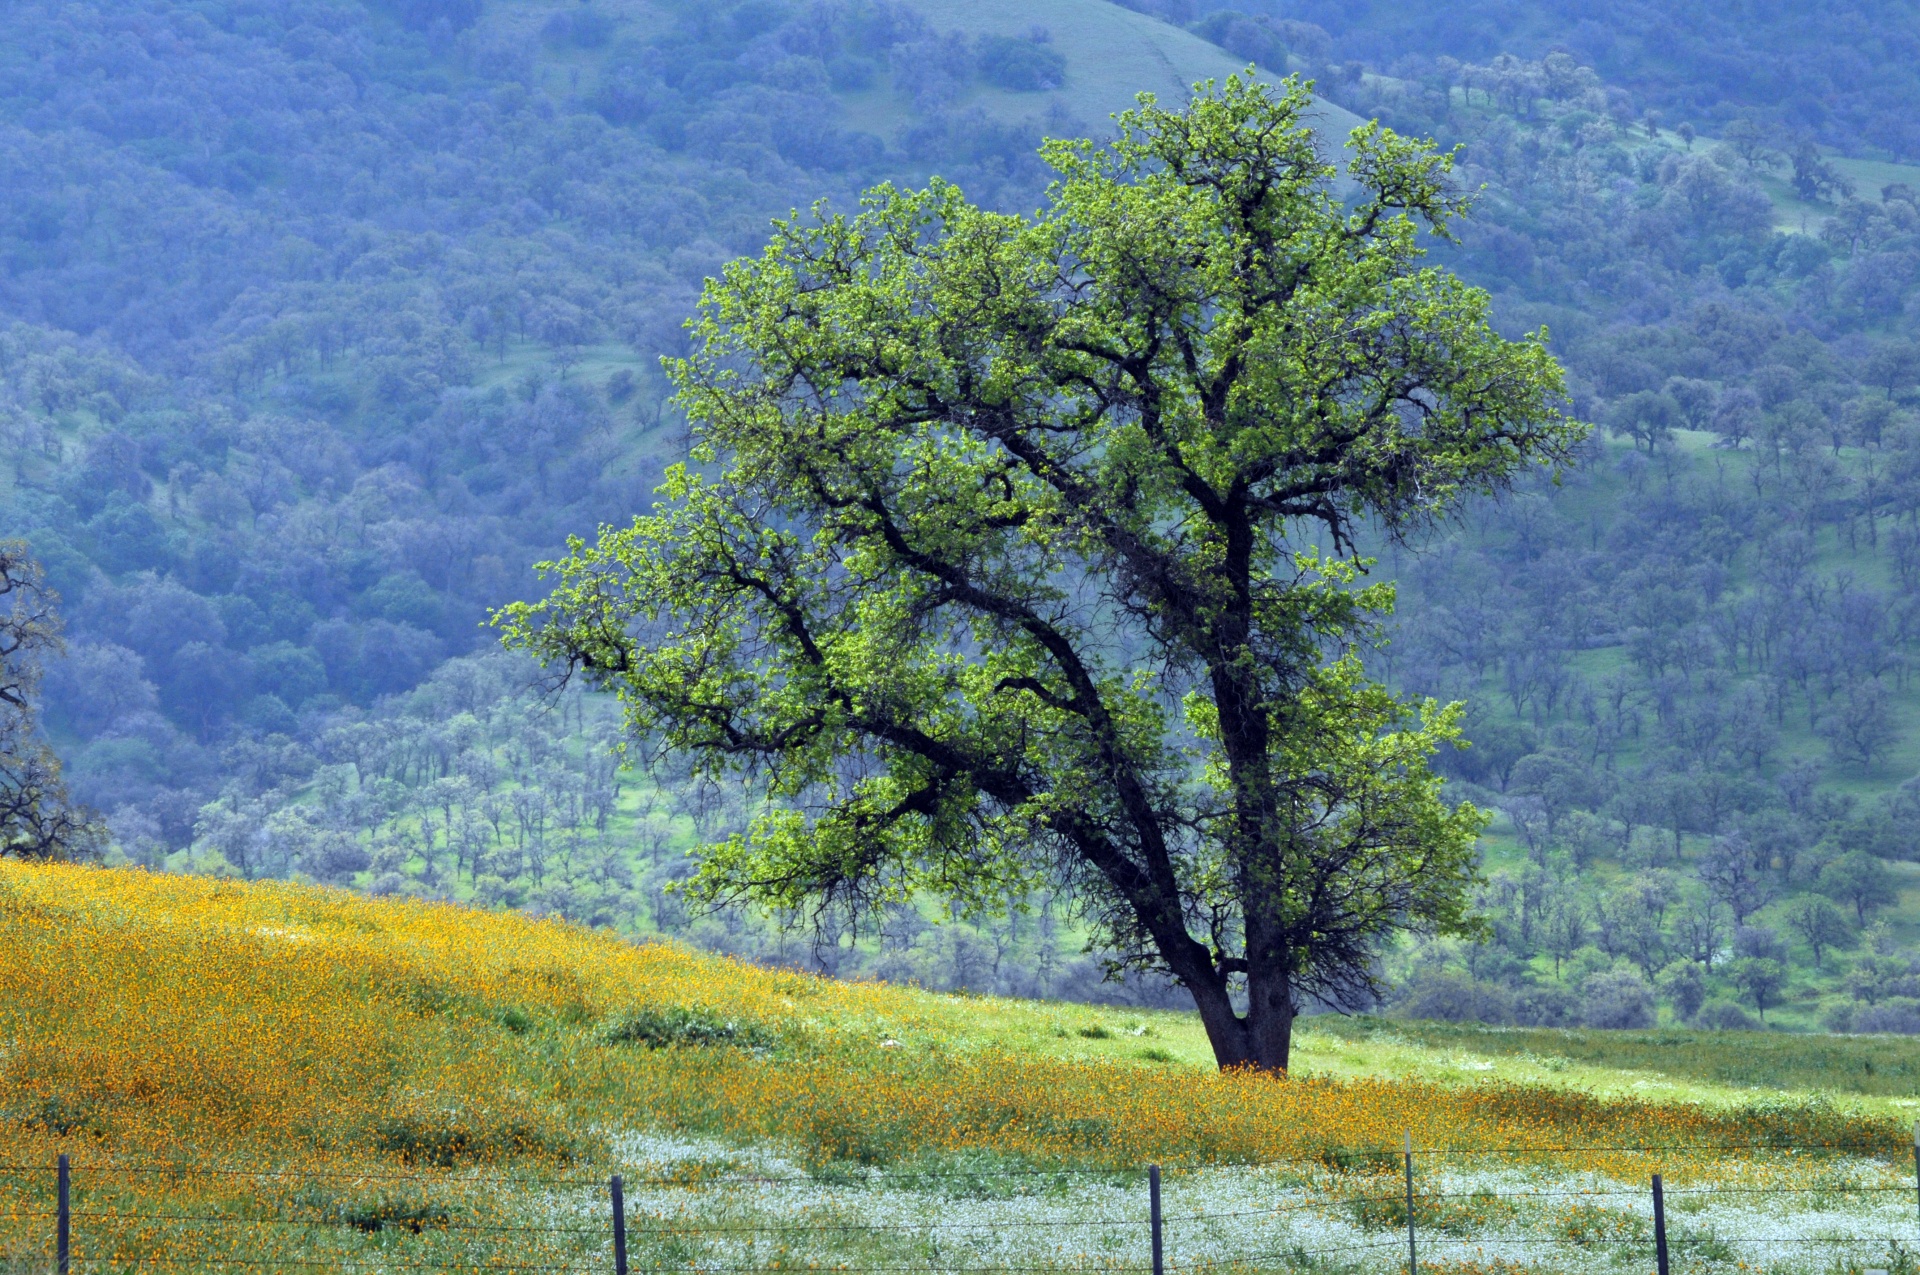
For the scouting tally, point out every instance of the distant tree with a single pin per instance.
(1761, 978)
(37, 819)
(1558, 781)
(1861, 727)
(1748, 141)
(1678, 798)
(972, 475)
(1859, 880)
(1819, 925)
(1686, 135)
(1729, 869)
(1497, 749)
(1631, 919)
(1684, 984)
(1815, 178)
(422, 15)
(1648, 418)
(567, 328)
(1866, 420)
(97, 684)
(1253, 39)
(1563, 931)
(1700, 926)
(1893, 366)
(1024, 66)
(1696, 399)
(1882, 971)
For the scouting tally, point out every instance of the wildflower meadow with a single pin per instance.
(282, 1075)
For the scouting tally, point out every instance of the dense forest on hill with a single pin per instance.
(1844, 73)
(320, 323)
(1690, 656)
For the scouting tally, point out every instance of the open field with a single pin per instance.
(404, 1084)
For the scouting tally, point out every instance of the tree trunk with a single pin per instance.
(1270, 1012)
(1226, 1030)
(1263, 1038)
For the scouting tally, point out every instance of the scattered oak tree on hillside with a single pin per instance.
(996, 565)
(37, 821)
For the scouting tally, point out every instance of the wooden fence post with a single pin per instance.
(1413, 1257)
(619, 1225)
(1153, 1212)
(1659, 1225)
(63, 1224)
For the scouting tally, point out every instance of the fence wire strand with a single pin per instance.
(592, 1240)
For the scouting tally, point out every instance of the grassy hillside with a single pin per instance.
(1112, 54)
(410, 1083)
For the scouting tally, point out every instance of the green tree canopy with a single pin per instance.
(1860, 879)
(1023, 549)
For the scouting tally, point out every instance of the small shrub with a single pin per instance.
(1344, 1159)
(1454, 998)
(841, 1143)
(1897, 1014)
(450, 1138)
(679, 1025)
(1096, 1032)
(1545, 1007)
(65, 1114)
(1447, 1214)
(396, 1214)
(1616, 999)
(1155, 1054)
(1725, 1016)
(698, 1172)
(1585, 1224)
(1704, 1245)
(397, 1211)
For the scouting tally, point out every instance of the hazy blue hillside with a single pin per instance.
(319, 323)
(1841, 72)
(325, 321)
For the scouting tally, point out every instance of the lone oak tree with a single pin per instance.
(1022, 550)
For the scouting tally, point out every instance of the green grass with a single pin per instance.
(1877, 1066)
(1870, 1074)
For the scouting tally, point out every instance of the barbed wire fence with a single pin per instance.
(95, 1238)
